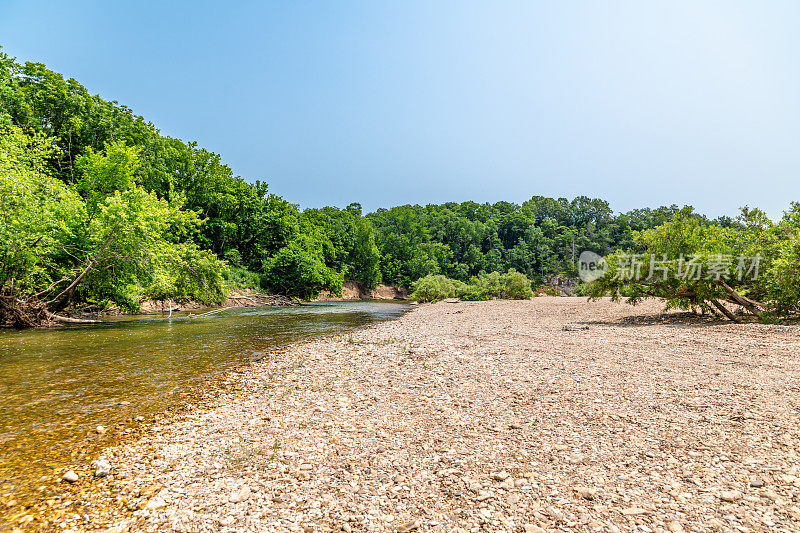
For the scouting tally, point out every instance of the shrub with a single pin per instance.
(435, 287)
(516, 286)
(482, 287)
(512, 285)
(241, 279)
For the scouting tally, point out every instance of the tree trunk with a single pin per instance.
(724, 310)
(747, 303)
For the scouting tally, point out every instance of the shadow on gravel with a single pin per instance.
(685, 319)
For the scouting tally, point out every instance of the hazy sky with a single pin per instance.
(386, 103)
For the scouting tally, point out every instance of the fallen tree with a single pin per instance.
(746, 268)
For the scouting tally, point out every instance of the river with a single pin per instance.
(58, 385)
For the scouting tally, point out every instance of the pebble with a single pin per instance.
(532, 528)
(633, 511)
(730, 495)
(70, 477)
(408, 526)
(417, 420)
(155, 503)
(241, 495)
(675, 527)
(101, 468)
(501, 476)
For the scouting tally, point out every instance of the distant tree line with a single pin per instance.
(540, 238)
(97, 206)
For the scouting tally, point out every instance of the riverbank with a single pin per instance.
(236, 298)
(354, 290)
(351, 291)
(505, 415)
(61, 385)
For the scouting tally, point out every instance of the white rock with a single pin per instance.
(633, 511)
(101, 468)
(70, 477)
(730, 495)
(241, 495)
(501, 476)
(156, 502)
(675, 527)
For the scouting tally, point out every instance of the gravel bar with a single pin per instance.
(553, 414)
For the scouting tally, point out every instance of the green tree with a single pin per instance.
(299, 269)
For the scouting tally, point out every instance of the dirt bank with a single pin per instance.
(542, 415)
(245, 298)
(239, 298)
(353, 290)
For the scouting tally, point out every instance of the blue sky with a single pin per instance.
(387, 103)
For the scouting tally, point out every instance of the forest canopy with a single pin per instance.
(97, 206)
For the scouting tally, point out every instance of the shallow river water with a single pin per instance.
(57, 386)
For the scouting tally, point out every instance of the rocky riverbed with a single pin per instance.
(546, 415)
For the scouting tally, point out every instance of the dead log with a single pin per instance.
(69, 320)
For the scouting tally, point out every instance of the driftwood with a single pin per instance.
(69, 320)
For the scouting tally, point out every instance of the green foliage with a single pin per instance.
(512, 285)
(39, 216)
(348, 241)
(723, 253)
(540, 238)
(104, 172)
(299, 269)
(515, 286)
(136, 250)
(120, 244)
(241, 279)
(482, 287)
(435, 287)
